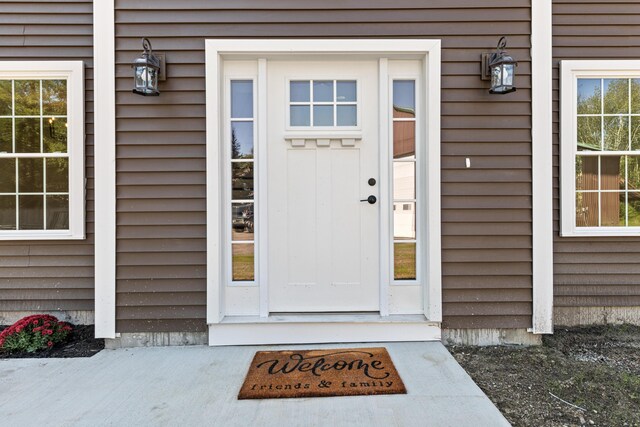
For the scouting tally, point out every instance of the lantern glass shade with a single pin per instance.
(507, 74)
(502, 74)
(146, 70)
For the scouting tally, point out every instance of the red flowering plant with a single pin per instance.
(32, 333)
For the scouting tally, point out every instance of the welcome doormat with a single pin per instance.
(321, 373)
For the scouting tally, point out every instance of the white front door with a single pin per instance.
(323, 161)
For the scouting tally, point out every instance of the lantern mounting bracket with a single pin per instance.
(163, 66)
(486, 69)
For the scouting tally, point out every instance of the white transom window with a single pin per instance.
(41, 150)
(600, 148)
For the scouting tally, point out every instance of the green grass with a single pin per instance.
(404, 261)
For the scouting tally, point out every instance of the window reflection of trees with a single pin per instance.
(23, 203)
(614, 181)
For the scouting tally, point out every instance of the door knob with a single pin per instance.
(371, 200)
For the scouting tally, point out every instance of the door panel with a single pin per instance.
(323, 241)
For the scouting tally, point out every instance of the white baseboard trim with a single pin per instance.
(262, 333)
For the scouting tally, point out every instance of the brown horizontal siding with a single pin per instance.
(53, 275)
(595, 271)
(161, 145)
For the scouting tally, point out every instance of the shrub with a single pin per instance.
(32, 333)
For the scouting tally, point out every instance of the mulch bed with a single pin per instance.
(80, 343)
(579, 376)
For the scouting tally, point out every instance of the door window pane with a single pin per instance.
(346, 91)
(404, 221)
(323, 91)
(404, 180)
(404, 139)
(31, 212)
(242, 221)
(241, 99)
(300, 115)
(347, 115)
(299, 91)
(323, 115)
(242, 140)
(404, 98)
(404, 261)
(242, 181)
(242, 262)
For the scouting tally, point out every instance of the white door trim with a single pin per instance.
(386, 273)
(255, 49)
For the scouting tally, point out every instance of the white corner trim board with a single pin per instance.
(542, 165)
(105, 171)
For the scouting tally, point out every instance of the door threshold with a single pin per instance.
(326, 318)
(322, 328)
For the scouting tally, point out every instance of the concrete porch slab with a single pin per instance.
(198, 385)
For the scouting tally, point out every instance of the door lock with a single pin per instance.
(372, 181)
(371, 200)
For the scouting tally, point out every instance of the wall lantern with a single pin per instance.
(500, 68)
(146, 71)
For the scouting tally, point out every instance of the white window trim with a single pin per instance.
(73, 72)
(570, 72)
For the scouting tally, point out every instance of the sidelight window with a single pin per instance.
(242, 189)
(404, 180)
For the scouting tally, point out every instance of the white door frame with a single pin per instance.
(260, 49)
